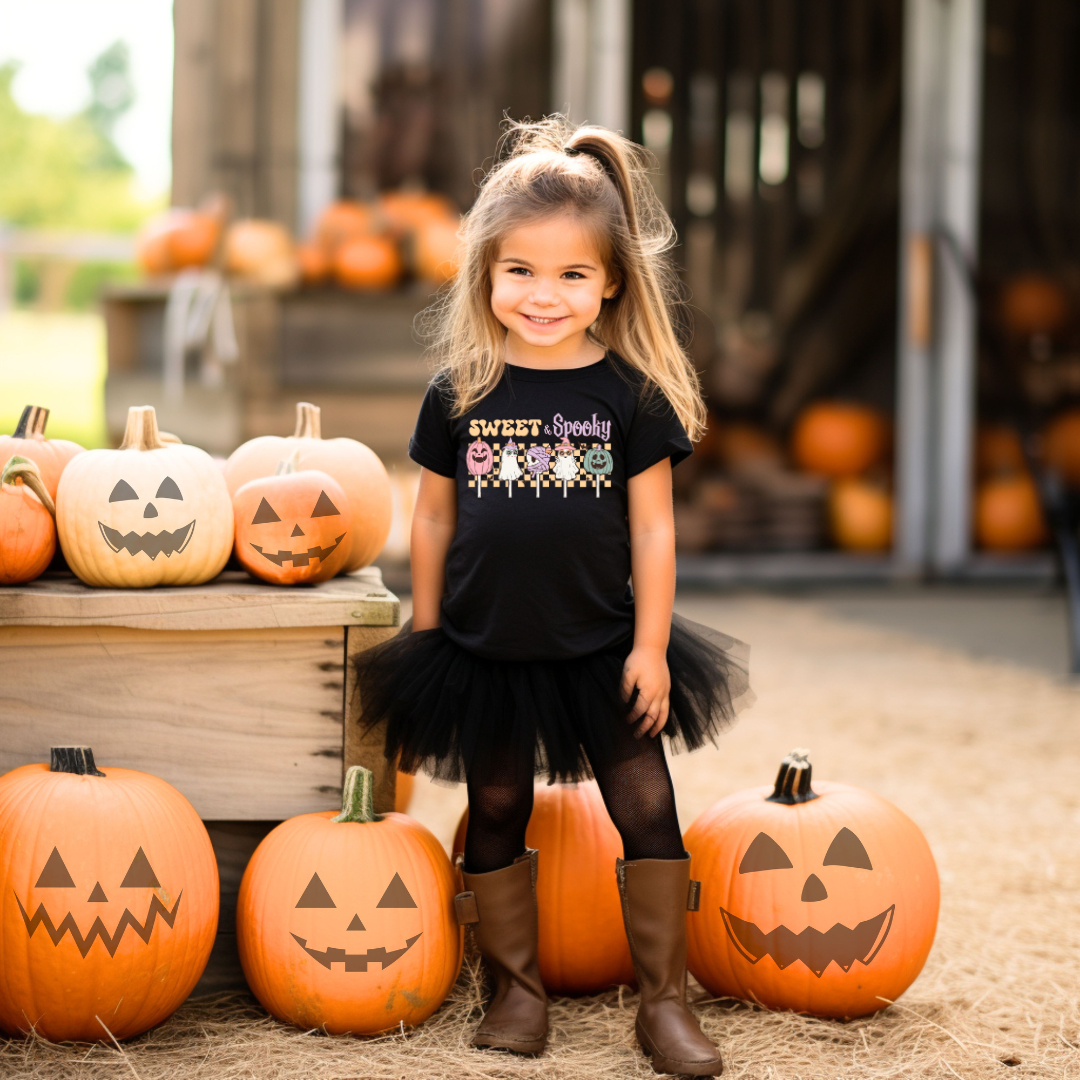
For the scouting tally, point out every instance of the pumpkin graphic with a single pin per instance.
(150, 513)
(346, 922)
(478, 460)
(822, 902)
(108, 896)
(290, 527)
(598, 462)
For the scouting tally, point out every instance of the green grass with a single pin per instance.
(58, 361)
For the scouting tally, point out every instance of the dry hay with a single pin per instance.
(983, 756)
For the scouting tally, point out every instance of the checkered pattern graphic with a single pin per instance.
(583, 479)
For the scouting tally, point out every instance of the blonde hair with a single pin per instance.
(550, 167)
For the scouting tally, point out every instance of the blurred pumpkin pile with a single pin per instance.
(745, 493)
(363, 246)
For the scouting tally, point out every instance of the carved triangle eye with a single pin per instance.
(264, 514)
(764, 854)
(55, 875)
(140, 874)
(169, 489)
(315, 895)
(324, 507)
(123, 492)
(396, 895)
(847, 850)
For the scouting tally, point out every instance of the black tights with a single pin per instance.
(636, 788)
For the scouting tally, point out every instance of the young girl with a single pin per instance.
(546, 441)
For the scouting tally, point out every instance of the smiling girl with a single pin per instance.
(542, 639)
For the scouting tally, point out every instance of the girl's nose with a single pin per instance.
(543, 292)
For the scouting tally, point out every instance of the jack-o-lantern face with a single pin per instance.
(818, 901)
(479, 457)
(368, 951)
(140, 875)
(839, 944)
(152, 544)
(290, 528)
(598, 460)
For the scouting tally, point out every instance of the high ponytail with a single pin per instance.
(550, 167)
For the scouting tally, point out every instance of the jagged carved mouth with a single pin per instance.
(816, 949)
(152, 544)
(356, 961)
(110, 941)
(300, 558)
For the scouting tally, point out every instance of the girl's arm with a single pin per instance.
(433, 527)
(652, 564)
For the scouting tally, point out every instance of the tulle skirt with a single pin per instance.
(445, 707)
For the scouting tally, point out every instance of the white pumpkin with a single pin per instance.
(150, 513)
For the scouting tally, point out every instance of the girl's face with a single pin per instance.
(547, 283)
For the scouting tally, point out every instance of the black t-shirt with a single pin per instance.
(540, 563)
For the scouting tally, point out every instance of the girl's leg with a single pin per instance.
(500, 790)
(637, 790)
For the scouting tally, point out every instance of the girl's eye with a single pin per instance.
(573, 275)
(518, 270)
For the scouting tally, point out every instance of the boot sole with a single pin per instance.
(662, 1064)
(528, 1048)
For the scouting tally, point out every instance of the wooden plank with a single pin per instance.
(193, 99)
(279, 27)
(246, 723)
(366, 747)
(234, 844)
(232, 601)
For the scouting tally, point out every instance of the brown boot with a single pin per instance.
(502, 905)
(655, 896)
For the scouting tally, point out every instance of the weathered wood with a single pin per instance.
(246, 723)
(366, 747)
(193, 99)
(232, 601)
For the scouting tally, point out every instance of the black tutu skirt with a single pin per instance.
(444, 706)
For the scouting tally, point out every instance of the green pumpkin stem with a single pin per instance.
(73, 759)
(793, 780)
(358, 796)
(141, 432)
(308, 421)
(290, 464)
(32, 422)
(20, 468)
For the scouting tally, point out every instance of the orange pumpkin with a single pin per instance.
(437, 248)
(346, 921)
(27, 523)
(1008, 514)
(177, 239)
(368, 263)
(822, 902)
(314, 264)
(744, 447)
(582, 947)
(261, 252)
(50, 455)
(109, 899)
(998, 449)
(1034, 304)
(1061, 446)
(834, 438)
(861, 515)
(410, 211)
(291, 528)
(340, 222)
(353, 465)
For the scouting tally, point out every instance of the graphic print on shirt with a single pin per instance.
(478, 460)
(598, 462)
(566, 467)
(537, 460)
(509, 469)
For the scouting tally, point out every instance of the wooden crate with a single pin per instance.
(239, 694)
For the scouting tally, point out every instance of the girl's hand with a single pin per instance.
(646, 668)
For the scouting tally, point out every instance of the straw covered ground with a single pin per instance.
(982, 755)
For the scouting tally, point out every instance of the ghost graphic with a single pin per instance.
(509, 469)
(537, 460)
(566, 467)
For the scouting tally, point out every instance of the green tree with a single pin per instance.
(68, 174)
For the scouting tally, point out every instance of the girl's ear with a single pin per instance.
(612, 290)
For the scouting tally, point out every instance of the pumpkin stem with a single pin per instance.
(793, 780)
(20, 468)
(308, 421)
(73, 759)
(141, 432)
(32, 422)
(290, 464)
(358, 796)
